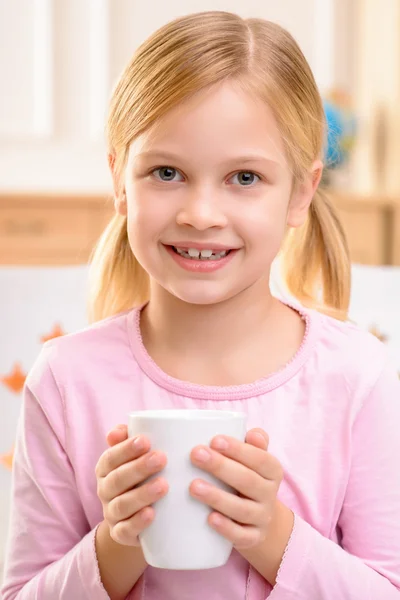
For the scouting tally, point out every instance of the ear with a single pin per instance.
(119, 197)
(302, 196)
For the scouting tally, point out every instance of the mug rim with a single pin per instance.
(185, 414)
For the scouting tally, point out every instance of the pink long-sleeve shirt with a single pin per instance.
(333, 417)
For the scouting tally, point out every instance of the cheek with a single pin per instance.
(146, 217)
(265, 226)
(148, 220)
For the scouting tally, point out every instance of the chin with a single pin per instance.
(202, 294)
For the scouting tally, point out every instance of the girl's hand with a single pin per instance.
(253, 472)
(121, 468)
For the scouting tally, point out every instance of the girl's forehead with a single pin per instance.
(224, 118)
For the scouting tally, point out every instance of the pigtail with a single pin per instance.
(316, 262)
(117, 282)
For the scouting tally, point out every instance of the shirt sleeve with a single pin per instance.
(51, 548)
(367, 562)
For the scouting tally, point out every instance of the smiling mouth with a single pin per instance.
(203, 255)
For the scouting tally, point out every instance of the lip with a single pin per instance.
(201, 246)
(199, 266)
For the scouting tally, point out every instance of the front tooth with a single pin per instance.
(193, 253)
(206, 253)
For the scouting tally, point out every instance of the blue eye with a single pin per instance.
(167, 174)
(246, 178)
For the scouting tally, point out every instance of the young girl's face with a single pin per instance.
(211, 176)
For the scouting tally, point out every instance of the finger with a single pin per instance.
(241, 536)
(117, 435)
(130, 474)
(258, 437)
(128, 504)
(121, 453)
(252, 457)
(126, 532)
(251, 482)
(236, 475)
(239, 509)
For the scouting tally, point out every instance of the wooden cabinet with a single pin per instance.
(56, 230)
(47, 230)
(372, 227)
(396, 237)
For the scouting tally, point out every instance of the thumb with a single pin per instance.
(117, 435)
(258, 438)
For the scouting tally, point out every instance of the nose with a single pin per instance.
(202, 209)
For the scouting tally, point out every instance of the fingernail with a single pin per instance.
(138, 443)
(157, 486)
(154, 461)
(260, 437)
(201, 488)
(220, 443)
(114, 429)
(216, 519)
(202, 455)
(147, 516)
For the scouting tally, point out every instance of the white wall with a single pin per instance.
(59, 59)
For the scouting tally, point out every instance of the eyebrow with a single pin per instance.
(249, 158)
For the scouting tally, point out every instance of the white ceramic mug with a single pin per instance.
(180, 536)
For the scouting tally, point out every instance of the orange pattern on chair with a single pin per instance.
(55, 333)
(15, 380)
(377, 333)
(7, 459)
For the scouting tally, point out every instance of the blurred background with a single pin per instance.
(58, 62)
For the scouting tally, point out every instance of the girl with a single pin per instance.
(215, 141)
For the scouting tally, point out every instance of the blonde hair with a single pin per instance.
(182, 58)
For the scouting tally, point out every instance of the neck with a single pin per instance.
(194, 329)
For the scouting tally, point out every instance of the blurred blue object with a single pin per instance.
(341, 130)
